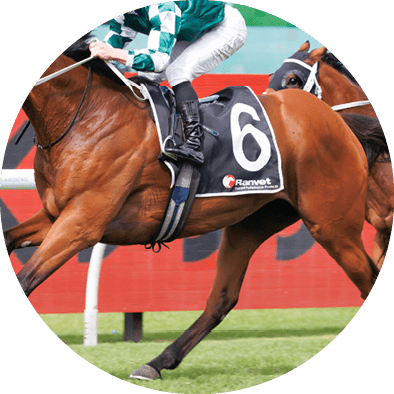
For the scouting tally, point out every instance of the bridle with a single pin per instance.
(126, 81)
(313, 81)
(312, 78)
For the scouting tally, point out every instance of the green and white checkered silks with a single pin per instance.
(161, 21)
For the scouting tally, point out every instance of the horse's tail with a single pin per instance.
(370, 134)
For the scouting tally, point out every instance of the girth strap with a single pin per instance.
(178, 206)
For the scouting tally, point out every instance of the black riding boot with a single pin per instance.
(191, 149)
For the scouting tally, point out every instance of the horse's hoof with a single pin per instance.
(145, 372)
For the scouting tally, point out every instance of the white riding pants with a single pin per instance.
(190, 59)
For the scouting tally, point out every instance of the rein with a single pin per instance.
(354, 104)
(62, 71)
(313, 80)
(126, 81)
(130, 84)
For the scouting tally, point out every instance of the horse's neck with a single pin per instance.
(337, 88)
(51, 106)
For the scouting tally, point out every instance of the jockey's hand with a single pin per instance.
(104, 51)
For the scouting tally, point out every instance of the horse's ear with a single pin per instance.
(305, 47)
(317, 54)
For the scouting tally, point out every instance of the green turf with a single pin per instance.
(246, 349)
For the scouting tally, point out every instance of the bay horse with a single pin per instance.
(103, 182)
(340, 90)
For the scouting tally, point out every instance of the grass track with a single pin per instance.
(247, 349)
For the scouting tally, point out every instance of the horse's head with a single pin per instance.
(299, 71)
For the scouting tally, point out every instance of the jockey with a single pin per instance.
(185, 40)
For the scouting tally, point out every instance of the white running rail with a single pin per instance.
(24, 180)
(17, 180)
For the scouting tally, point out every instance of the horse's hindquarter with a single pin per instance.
(322, 161)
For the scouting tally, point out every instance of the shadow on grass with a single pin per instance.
(216, 335)
(207, 373)
(197, 372)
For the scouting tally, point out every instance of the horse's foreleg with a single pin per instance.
(230, 270)
(75, 229)
(28, 233)
(238, 244)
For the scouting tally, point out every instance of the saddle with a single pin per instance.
(241, 155)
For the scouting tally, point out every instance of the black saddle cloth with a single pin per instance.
(240, 150)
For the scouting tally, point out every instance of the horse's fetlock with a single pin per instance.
(169, 359)
(173, 357)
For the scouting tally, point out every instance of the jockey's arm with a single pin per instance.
(141, 60)
(165, 24)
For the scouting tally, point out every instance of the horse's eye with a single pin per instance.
(293, 81)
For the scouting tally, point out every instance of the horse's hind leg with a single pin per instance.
(379, 249)
(28, 233)
(351, 256)
(379, 208)
(238, 244)
(338, 229)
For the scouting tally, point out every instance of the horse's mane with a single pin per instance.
(80, 51)
(333, 61)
